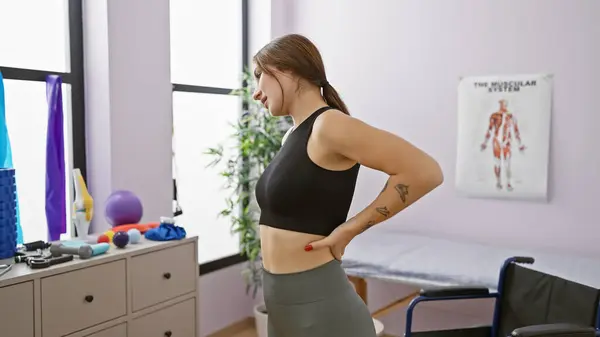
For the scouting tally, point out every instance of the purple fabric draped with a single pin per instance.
(56, 206)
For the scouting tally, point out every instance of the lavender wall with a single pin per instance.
(397, 64)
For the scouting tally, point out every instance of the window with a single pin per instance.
(206, 43)
(34, 37)
(208, 54)
(200, 191)
(38, 41)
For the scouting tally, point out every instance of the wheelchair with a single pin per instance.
(528, 303)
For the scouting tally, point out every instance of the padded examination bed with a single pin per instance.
(395, 256)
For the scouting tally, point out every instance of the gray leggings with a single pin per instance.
(319, 302)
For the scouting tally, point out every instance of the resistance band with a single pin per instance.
(56, 202)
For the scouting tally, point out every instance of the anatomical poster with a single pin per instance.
(504, 136)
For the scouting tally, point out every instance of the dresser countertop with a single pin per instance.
(20, 272)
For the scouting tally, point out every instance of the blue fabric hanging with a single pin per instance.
(56, 214)
(6, 152)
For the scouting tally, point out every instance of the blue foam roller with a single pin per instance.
(8, 213)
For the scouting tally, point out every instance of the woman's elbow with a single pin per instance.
(432, 175)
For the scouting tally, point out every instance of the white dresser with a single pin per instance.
(149, 289)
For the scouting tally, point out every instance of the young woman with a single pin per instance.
(306, 191)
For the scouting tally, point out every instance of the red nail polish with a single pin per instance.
(308, 248)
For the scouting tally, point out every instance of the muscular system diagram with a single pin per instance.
(502, 128)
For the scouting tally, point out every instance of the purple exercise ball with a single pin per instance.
(123, 208)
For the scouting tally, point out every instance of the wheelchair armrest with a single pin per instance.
(455, 292)
(554, 330)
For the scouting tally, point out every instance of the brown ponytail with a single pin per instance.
(333, 99)
(298, 54)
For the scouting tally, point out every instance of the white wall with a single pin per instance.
(397, 63)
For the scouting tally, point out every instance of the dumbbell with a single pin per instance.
(84, 251)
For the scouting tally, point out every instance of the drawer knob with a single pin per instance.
(89, 298)
(167, 276)
(168, 334)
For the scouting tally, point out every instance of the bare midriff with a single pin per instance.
(283, 251)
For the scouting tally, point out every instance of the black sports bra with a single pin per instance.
(294, 193)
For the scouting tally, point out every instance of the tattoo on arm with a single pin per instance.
(383, 211)
(367, 226)
(402, 191)
(384, 187)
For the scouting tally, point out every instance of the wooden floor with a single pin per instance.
(252, 333)
(243, 329)
(249, 332)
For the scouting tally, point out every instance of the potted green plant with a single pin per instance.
(258, 138)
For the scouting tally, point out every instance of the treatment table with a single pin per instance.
(420, 261)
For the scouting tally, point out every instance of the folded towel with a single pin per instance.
(165, 232)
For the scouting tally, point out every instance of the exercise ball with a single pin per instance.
(134, 235)
(123, 207)
(121, 239)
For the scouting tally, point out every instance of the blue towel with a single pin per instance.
(165, 232)
(6, 152)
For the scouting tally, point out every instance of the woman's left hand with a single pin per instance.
(336, 241)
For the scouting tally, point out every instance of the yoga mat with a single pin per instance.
(55, 161)
(6, 153)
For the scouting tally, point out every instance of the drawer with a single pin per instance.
(178, 320)
(17, 315)
(162, 275)
(116, 331)
(79, 299)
